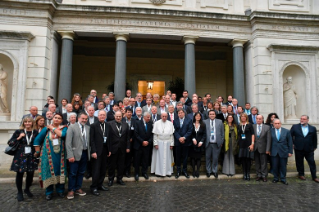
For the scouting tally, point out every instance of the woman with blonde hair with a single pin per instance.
(24, 159)
(246, 140)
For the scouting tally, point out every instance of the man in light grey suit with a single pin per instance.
(261, 148)
(148, 106)
(77, 146)
(214, 141)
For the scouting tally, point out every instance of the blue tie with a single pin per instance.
(181, 122)
(146, 127)
(278, 134)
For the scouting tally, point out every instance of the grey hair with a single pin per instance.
(261, 116)
(106, 97)
(90, 96)
(90, 106)
(146, 114)
(71, 114)
(276, 120)
(193, 105)
(179, 102)
(111, 93)
(254, 107)
(305, 116)
(101, 111)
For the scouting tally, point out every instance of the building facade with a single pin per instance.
(260, 51)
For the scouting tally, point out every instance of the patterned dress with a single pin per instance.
(52, 168)
(23, 162)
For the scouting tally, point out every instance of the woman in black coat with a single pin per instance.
(24, 159)
(198, 146)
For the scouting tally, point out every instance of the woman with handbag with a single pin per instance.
(52, 165)
(24, 159)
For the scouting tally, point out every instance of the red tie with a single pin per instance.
(172, 118)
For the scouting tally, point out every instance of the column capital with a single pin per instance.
(121, 36)
(67, 34)
(238, 43)
(189, 39)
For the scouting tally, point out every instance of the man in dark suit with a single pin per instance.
(91, 118)
(199, 104)
(119, 137)
(171, 115)
(182, 141)
(194, 110)
(305, 143)
(129, 155)
(100, 142)
(110, 114)
(253, 115)
(261, 148)
(139, 100)
(94, 94)
(154, 116)
(281, 149)
(33, 113)
(143, 145)
(181, 105)
(132, 106)
(69, 110)
(188, 101)
(223, 115)
(112, 98)
(214, 141)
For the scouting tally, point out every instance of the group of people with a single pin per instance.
(90, 137)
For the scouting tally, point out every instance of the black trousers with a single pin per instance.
(128, 161)
(142, 156)
(117, 161)
(299, 158)
(19, 180)
(99, 167)
(181, 156)
(246, 164)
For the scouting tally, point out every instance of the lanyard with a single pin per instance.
(119, 129)
(28, 138)
(243, 127)
(212, 125)
(103, 130)
(84, 131)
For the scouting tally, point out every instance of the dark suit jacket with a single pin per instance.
(96, 100)
(142, 104)
(250, 118)
(282, 147)
(97, 138)
(158, 117)
(142, 135)
(191, 116)
(200, 136)
(110, 116)
(134, 114)
(220, 116)
(185, 131)
(131, 129)
(117, 142)
(263, 143)
(169, 117)
(188, 102)
(95, 120)
(308, 143)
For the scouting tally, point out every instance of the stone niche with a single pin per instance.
(294, 92)
(6, 79)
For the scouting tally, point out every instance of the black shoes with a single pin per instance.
(145, 176)
(48, 197)
(186, 175)
(136, 177)
(194, 174)
(28, 192)
(177, 175)
(103, 188)
(248, 177)
(275, 181)
(88, 176)
(215, 175)
(208, 175)
(61, 195)
(20, 197)
(95, 192)
(120, 182)
(258, 178)
(110, 183)
(284, 182)
(127, 175)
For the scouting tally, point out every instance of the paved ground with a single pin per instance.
(177, 195)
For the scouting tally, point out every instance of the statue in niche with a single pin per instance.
(3, 91)
(290, 99)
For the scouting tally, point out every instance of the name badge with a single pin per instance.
(132, 128)
(55, 142)
(105, 139)
(243, 136)
(27, 150)
(212, 133)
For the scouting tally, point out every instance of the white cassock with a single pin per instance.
(162, 158)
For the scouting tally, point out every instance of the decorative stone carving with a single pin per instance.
(290, 99)
(3, 91)
(158, 2)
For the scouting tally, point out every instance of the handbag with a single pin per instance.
(12, 148)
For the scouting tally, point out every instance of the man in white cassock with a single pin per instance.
(162, 159)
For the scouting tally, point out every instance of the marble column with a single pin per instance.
(238, 71)
(190, 78)
(54, 64)
(120, 66)
(65, 80)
